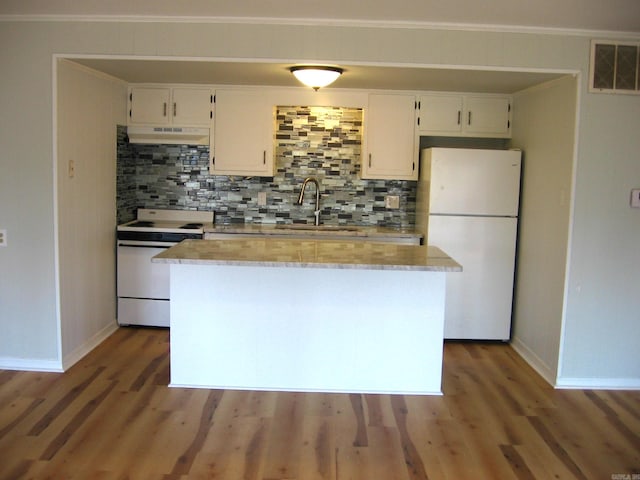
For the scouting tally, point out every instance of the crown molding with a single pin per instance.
(320, 22)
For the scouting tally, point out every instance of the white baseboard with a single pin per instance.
(73, 357)
(572, 382)
(598, 383)
(36, 365)
(437, 393)
(534, 361)
(30, 365)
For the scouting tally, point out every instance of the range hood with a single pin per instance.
(168, 135)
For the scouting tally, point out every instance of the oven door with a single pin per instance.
(143, 286)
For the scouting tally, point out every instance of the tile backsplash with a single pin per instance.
(321, 142)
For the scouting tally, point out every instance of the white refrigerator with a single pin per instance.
(467, 204)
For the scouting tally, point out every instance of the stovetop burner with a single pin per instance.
(142, 224)
(165, 225)
(192, 225)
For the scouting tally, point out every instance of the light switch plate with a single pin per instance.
(635, 198)
(262, 199)
(3, 238)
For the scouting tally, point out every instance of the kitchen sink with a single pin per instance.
(318, 228)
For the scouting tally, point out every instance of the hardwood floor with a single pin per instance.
(112, 416)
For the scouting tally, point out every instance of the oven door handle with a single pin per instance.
(144, 246)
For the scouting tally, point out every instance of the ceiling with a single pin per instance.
(355, 76)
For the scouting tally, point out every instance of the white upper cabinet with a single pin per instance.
(465, 115)
(390, 140)
(149, 106)
(488, 115)
(440, 114)
(192, 106)
(244, 134)
(181, 106)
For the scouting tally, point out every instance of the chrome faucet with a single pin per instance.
(301, 196)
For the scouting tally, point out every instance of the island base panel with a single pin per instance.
(306, 329)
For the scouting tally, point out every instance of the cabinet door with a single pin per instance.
(191, 106)
(390, 138)
(487, 115)
(149, 105)
(440, 114)
(243, 134)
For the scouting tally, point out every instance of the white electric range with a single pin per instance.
(143, 286)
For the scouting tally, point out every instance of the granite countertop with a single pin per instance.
(315, 231)
(272, 252)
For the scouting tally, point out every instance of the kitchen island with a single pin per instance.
(307, 315)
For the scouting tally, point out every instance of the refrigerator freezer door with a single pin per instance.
(479, 299)
(474, 181)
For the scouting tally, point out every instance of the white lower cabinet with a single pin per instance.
(244, 134)
(390, 140)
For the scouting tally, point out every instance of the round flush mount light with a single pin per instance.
(316, 76)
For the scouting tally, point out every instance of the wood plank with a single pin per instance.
(386, 457)
(542, 460)
(518, 465)
(447, 443)
(353, 463)
(318, 450)
(195, 433)
(578, 423)
(412, 459)
(285, 438)
(112, 416)
(361, 439)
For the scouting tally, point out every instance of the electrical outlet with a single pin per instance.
(262, 199)
(392, 201)
(3, 238)
(635, 198)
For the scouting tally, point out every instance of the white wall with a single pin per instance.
(602, 302)
(89, 107)
(544, 127)
(28, 319)
(602, 327)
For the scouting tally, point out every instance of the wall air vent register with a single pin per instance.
(615, 67)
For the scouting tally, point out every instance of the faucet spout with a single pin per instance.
(301, 196)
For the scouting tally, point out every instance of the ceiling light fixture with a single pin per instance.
(316, 76)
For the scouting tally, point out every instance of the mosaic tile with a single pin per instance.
(323, 142)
